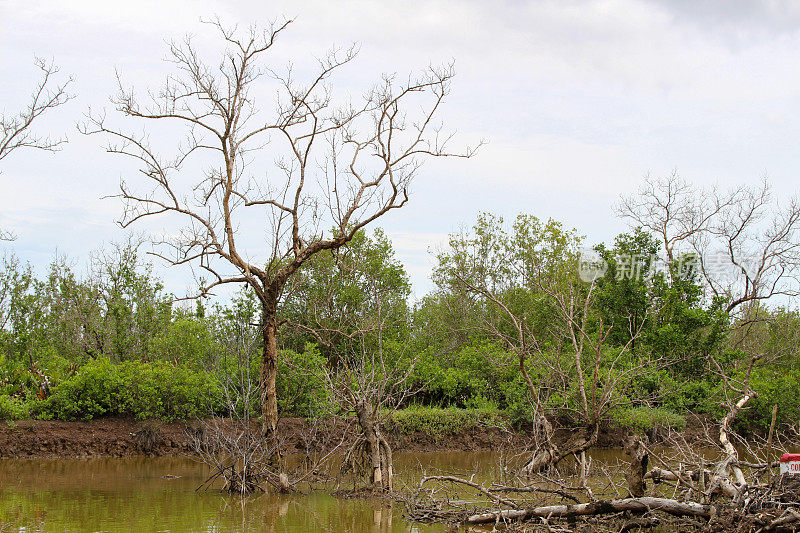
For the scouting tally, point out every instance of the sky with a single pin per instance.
(577, 101)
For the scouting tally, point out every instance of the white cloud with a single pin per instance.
(577, 99)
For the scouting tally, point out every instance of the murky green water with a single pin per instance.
(158, 494)
(138, 494)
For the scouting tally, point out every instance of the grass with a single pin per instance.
(437, 421)
(646, 418)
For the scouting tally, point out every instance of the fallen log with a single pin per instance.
(563, 493)
(636, 505)
(716, 482)
(659, 474)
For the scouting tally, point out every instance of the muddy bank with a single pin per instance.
(118, 437)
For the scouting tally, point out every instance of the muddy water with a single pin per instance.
(158, 494)
(141, 494)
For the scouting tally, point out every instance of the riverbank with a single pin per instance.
(120, 437)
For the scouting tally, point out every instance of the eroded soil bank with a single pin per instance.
(119, 437)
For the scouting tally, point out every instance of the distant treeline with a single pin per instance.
(113, 342)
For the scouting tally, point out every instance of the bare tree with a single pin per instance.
(673, 209)
(599, 369)
(48, 94)
(759, 239)
(745, 240)
(16, 128)
(369, 384)
(338, 166)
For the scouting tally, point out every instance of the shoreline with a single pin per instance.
(123, 437)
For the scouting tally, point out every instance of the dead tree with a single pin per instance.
(305, 164)
(732, 480)
(760, 238)
(745, 241)
(375, 446)
(16, 130)
(674, 210)
(636, 448)
(597, 386)
(367, 384)
(370, 385)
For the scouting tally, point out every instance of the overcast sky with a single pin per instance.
(578, 101)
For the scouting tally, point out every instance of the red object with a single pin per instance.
(788, 457)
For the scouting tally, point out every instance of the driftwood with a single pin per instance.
(542, 490)
(727, 446)
(716, 495)
(770, 507)
(635, 505)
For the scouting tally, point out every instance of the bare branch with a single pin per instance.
(16, 130)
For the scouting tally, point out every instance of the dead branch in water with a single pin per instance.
(472, 484)
(691, 489)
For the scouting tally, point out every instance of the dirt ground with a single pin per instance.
(117, 437)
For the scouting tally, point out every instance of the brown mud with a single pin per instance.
(119, 437)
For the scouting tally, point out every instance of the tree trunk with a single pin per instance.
(541, 461)
(363, 412)
(549, 455)
(583, 468)
(269, 371)
(378, 450)
(771, 431)
(387, 466)
(637, 450)
(732, 455)
(546, 450)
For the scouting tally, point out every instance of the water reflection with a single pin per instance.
(141, 494)
(158, 494)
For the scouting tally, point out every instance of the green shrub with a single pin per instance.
(143, 390)
(775, 386)
(646, 418)
(300, 386)
(437, 421)
(480, 370)
(516, 401)
(14, 408)
(188, 340)
(689, 396)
